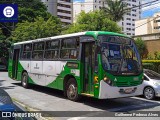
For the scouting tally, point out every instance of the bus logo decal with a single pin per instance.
(36, 66)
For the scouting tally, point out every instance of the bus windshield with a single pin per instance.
(120, 55)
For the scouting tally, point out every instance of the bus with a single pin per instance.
(97, 64)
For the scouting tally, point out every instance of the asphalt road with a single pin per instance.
(45, 99)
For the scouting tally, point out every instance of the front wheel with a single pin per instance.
(149, 93)
(72, 90)
(24, 80)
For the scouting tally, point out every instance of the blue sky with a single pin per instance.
(149, 10)
(149, 13)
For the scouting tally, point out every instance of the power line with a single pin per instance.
(144, 23)
(153, 6)
(6, 28)
(144, 4)
(155, 2)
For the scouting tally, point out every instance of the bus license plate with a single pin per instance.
(128, 90)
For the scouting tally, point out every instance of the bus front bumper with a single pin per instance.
(107, 92)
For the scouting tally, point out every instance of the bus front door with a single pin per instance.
(15, 63)
(88, 49)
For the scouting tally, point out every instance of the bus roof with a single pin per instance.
(93, 33)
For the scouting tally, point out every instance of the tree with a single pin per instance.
(27, 11)
(37, 29)
(4, 46)
(142, 48)
(116, 9)
(93, 21)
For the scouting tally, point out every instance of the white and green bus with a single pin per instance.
(98, 64)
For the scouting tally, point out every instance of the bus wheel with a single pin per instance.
(24, 80)
(72, 90)
(149, 93)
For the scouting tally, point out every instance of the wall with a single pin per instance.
(153, 46)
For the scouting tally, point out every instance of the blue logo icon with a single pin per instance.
(8, 13)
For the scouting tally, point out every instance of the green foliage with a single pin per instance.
(150, 57)
(116, 9)
(93, 21)
(157, 55)
(37, 29)
(28, 10)
(28, 27)
(152, 65)
(141, 47)
(4, 46)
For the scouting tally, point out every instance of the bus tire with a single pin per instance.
(24, 80)
(72, 90)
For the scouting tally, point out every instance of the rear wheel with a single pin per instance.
(72, 90)
(24, 80)
(149, 93)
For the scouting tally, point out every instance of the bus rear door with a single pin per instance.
(16, 53)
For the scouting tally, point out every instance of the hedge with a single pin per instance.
(152, 65)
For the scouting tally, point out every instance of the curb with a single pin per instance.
(30, 109)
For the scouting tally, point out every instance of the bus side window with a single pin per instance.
(52, 49)
(26, 52)
(70, 48)
(38, 50)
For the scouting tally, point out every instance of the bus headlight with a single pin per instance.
(107, 80)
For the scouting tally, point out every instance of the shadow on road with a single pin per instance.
(112, 105)
(5, 87)
(120, 104)
(49, 91)
(1, 82)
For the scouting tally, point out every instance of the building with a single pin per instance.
(61, 9)
(148, 29)
(77, 8)
(148, 25)
(128, 22)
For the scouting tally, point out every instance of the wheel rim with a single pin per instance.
(149, 93)
(24, 80)
(71, 91)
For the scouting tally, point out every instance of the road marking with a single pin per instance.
(153, 101)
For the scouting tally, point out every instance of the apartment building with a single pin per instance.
(148, 29)
(148, 25)
(128, 22)
(60, 8)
